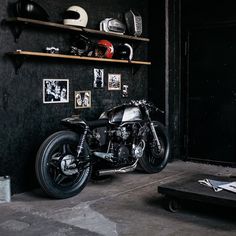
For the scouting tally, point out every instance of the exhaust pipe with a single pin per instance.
(118, 171)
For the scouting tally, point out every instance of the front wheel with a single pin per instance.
(154, 158)
(58, 171)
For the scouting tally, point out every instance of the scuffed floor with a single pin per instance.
(126, 204)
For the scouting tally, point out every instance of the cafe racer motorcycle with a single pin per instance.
(122, 139)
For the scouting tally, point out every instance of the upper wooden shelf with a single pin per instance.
(27, 21)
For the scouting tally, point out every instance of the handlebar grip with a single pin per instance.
(157, 109)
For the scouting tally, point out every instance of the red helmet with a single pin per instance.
(104, 49)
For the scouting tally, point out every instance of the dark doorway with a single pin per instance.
(210, 94)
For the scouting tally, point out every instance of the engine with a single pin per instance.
(122, 146)
(122, 133)
(123, 141)
(122, 154)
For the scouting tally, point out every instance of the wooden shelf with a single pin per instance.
(27, 21)
(22, 55)
(55, 55)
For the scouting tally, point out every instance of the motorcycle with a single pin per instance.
(121, 140)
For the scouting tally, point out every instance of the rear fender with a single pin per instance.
(74, 122)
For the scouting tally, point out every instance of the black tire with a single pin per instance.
(153, 161)
(54, 182)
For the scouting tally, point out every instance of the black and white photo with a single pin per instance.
(114, 81)
(98, 78)
(55, 90)
(82, 99)
(125, 93)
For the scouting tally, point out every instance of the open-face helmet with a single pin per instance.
(124, 51)
(75, 16)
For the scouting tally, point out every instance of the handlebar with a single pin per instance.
(147, 104)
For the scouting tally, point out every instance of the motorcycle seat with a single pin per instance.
(97, 123)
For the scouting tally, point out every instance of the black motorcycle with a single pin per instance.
(123, 138)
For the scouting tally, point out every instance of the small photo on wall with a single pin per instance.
(98, 78)
(82, 99)
(114, 81)
(125, 93)
(55, 90)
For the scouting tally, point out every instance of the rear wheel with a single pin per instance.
(154, 158)
(56, 168)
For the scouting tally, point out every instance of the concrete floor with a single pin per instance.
(126, 204)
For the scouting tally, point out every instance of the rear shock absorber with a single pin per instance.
(81, 142)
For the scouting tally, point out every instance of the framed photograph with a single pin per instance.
(82, 99)
(55, 90)
(125, 93)
(114, 81)
(98, 78)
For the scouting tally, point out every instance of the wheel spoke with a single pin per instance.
(65, 148)
(152, 159)
(54, 163)
(56, 156)
(59, 178)
(55, 160)
(156, 154)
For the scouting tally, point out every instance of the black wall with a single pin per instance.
(164, 85)
(211, 22)
(156, 86)
(202, 12)
(24, 120)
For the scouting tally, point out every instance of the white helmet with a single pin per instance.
(76, 15)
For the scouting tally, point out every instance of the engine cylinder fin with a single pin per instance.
(104, 155)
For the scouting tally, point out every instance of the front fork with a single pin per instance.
(155, 135)
(153, 129)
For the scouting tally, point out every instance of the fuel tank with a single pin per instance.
(122, 113)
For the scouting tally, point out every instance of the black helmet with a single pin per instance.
(30, 9)
(134, 22)
(82, 46)
(124, 52)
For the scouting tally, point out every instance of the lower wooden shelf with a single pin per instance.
(56, 55)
